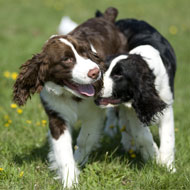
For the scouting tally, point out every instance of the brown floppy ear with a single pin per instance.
(111, 14)
(28, 81)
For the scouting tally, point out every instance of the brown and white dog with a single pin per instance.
(68, 74)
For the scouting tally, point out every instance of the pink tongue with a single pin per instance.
(87, 90)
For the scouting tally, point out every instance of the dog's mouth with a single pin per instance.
(105, 101)
(86, 90)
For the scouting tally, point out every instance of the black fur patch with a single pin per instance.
(141, 33)
(134, 81)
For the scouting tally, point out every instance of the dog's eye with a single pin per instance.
(94, 54)
(117, 77)
(117, 73)
(67, 59)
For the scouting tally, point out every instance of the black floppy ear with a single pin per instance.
(147, 103)
(29, 80)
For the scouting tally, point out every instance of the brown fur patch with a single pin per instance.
(57, 125)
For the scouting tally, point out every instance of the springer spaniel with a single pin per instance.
(141, 84)
(68, 74)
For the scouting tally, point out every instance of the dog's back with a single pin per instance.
(141, 33)
(102, 34)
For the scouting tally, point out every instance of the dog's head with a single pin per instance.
(66, 62)
(102, 33)
(129, 79)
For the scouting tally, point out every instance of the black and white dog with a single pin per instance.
(141, 83)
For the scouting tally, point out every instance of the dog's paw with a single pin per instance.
(167, 159)
(69, 176)
(149, 152)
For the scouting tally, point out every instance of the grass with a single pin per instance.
(25, 26)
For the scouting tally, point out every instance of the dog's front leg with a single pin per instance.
(61, 154)
(141, 135)
(167, 139)
(89, 135)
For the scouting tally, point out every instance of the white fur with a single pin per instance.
(52, 88)
(63, 105)
(112, 122)
(135, 130)
(82, 67)
(90, 132)
(108, 82)
(66, 25)
(167, 139)
(52, 36)
(61, 159)
(93, 49)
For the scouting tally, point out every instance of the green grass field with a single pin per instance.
(24, 27)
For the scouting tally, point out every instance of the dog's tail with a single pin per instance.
(109, 14)
(66, 25)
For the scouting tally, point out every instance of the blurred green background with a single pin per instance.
(25, 25)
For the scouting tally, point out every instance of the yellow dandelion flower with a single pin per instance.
(111, 126)
(173, 30)
(133, 155)
(44, 122)
(176, 129)
(131, 151)
(7, 74)
(28, 121)
(6, 124)
(14, 106)
(21, 174)
(123, 129)
(9, 121)
(14, 75)
(76, 147)
(1, 169)
(19, 111)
